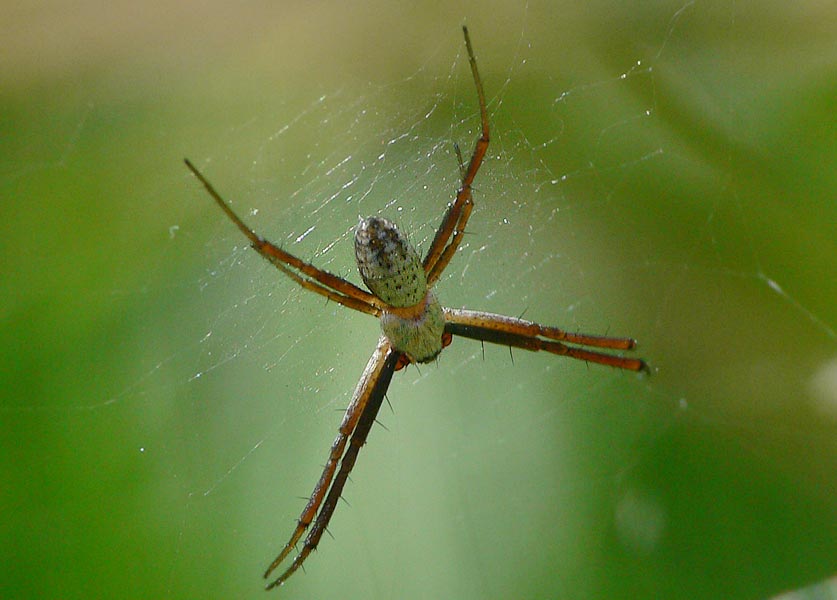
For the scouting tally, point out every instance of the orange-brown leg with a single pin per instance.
(316, 280)
(519, 333)
(456, 217)
(356, 423)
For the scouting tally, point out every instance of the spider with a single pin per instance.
(415, 326)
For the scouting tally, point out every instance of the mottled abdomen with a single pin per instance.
(388, 264)
(392, 270)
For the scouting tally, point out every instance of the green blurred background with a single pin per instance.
(660, 170)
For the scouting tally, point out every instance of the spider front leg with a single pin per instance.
(520, 333)
(358, 420)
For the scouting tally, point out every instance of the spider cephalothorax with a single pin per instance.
(415, 327)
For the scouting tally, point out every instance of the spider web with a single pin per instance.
(649, 175)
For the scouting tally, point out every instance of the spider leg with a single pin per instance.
(305, 274)
(519, 333)
(456, 217)
(531, 329)
(358, 420)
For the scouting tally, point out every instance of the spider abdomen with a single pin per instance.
(389, 265)
(392, 270)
